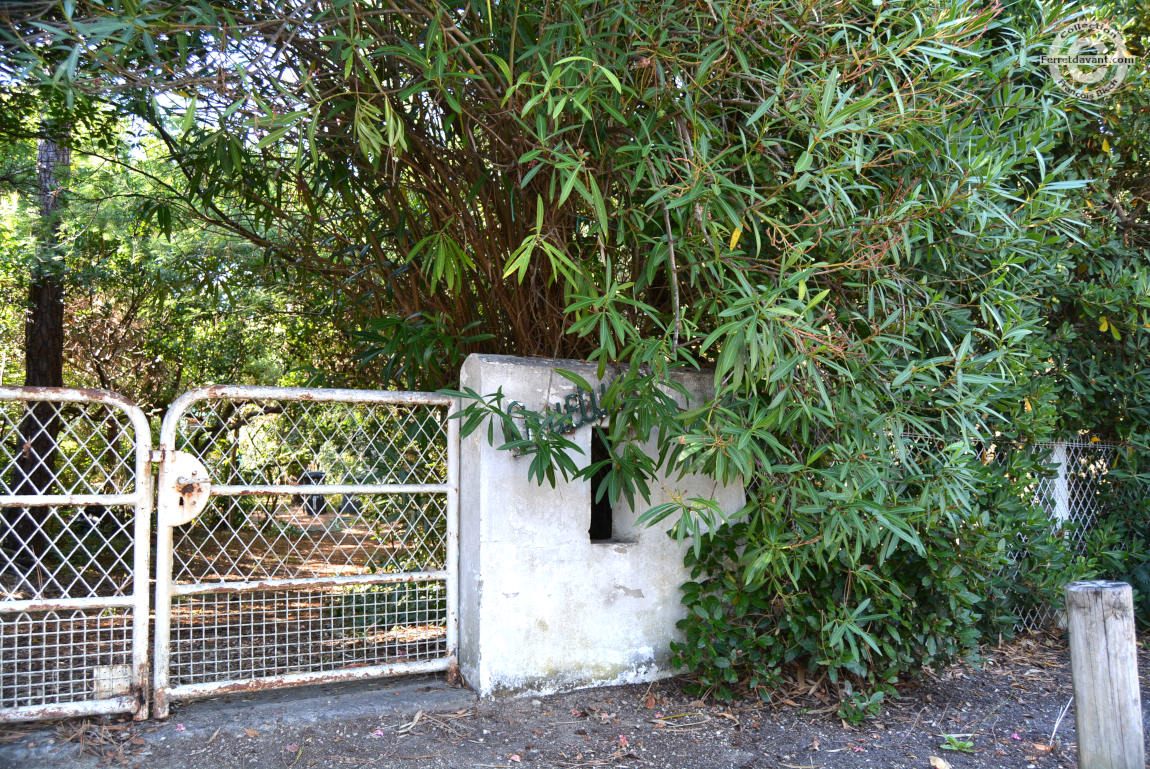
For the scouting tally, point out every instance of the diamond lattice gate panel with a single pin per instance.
(75, 512)
(303, 536)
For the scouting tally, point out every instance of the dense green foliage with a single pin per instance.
(871, 220)
(152, 310)
(1098, 322)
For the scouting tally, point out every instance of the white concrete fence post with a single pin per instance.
(1104, 669)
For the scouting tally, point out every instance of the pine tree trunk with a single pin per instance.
(44, 359)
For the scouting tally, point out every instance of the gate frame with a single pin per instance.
(162, 690)
(136, 701)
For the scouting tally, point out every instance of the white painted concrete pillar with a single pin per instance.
(542, 607)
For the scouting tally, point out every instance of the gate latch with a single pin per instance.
(184, 488)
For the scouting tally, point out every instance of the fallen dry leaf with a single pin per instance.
(252, 732)
(939, 763)
(1041, 748)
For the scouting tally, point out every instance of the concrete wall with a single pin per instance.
(543, 608)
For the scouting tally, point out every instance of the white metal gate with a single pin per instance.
(303, 536)
(75, 510)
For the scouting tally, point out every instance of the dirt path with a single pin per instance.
(1002, 714)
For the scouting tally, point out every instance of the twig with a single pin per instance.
(1061, 716)
(442, 724)
(671, 263)
(687, 726)
(916, 719)
(298, 753)
(409, 727)
(686, 715)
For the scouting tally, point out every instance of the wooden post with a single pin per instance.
(1104, 668)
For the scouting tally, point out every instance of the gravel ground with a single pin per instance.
(1011, 712)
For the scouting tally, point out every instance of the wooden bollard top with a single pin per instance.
(1114, 596)
(1096, 584)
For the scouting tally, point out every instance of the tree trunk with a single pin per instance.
(35, 468)
(44, 323)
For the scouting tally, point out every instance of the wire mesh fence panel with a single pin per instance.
(324, 548)
(220, 637)
(75, 507)
(52, 658)
(67, 551)
(1075, 496)
(1080, 490)
(73, 447)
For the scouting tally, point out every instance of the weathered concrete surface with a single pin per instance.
(196, 724)
(542, 608)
